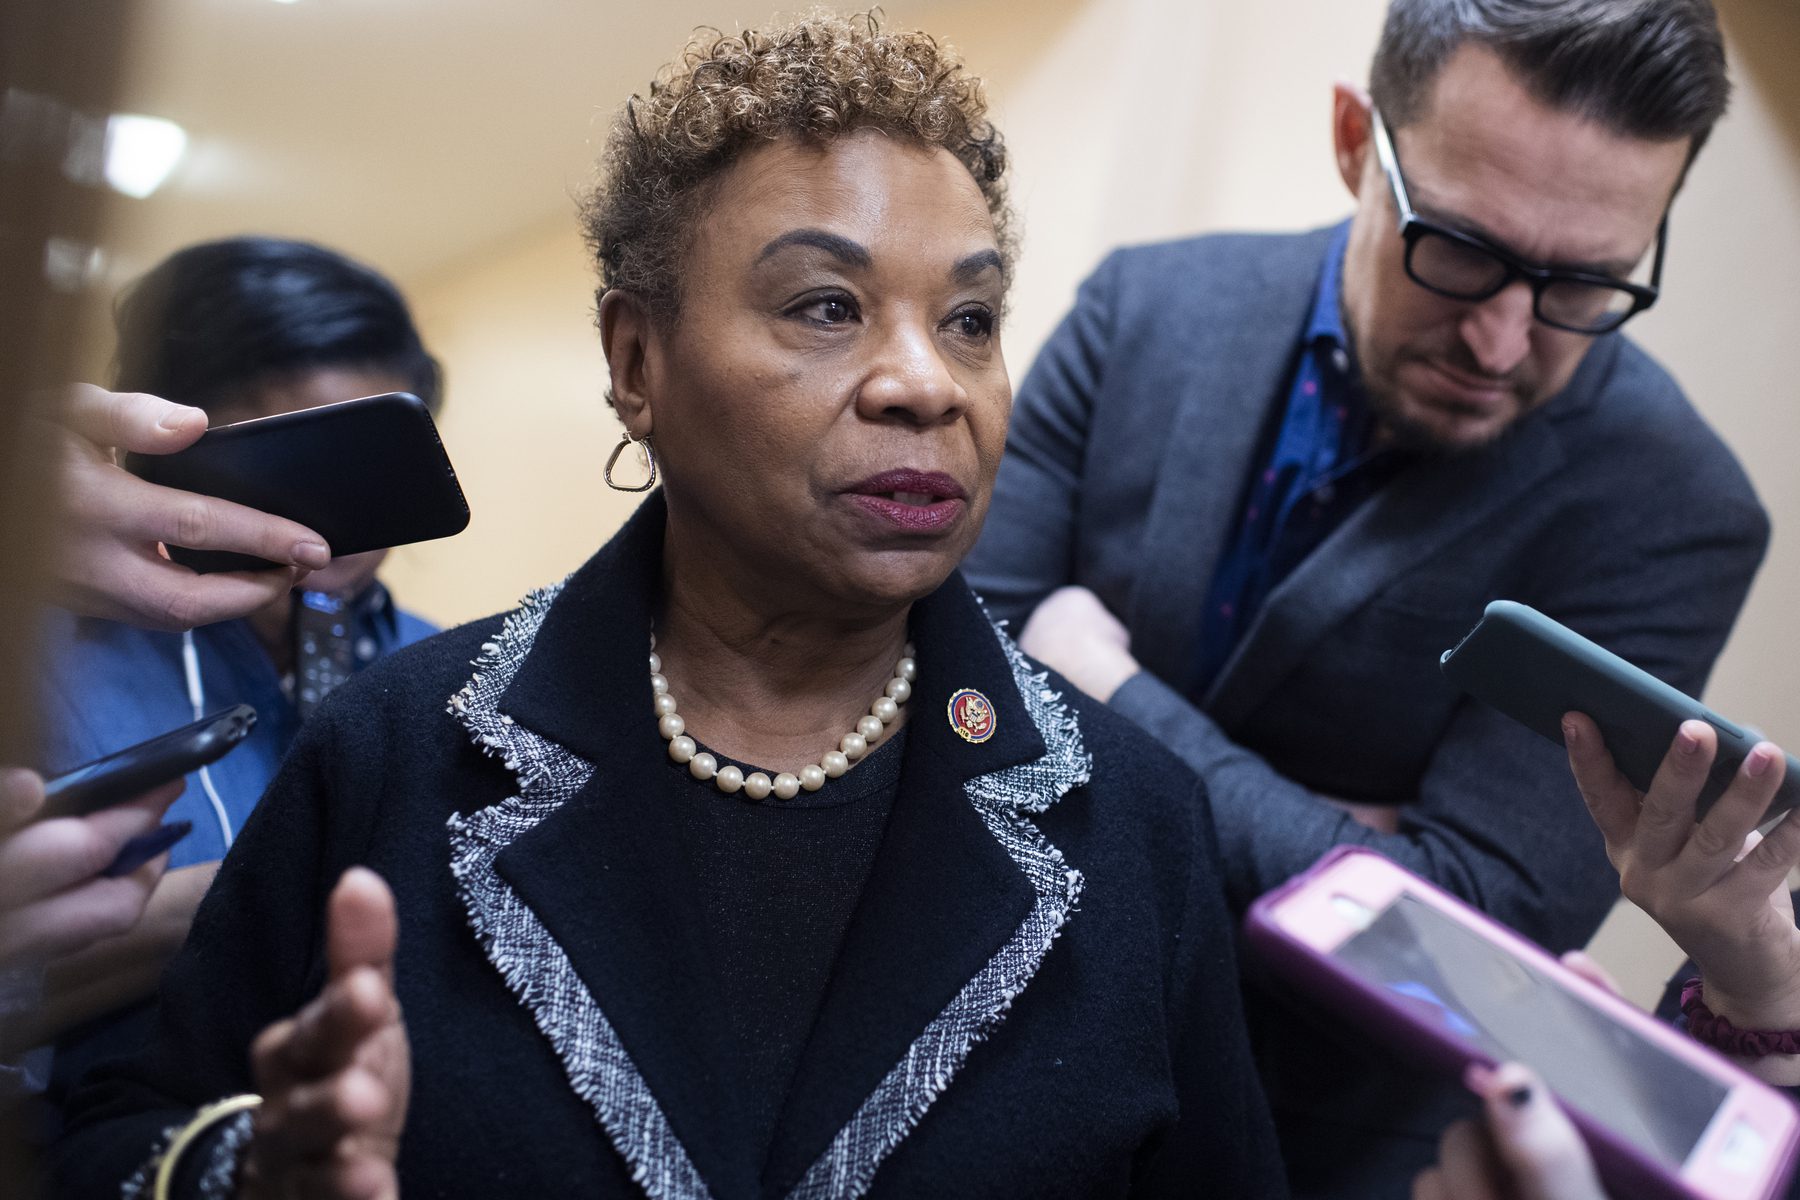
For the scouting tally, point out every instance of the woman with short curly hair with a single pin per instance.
(751, 860)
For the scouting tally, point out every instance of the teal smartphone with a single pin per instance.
(1535, 669)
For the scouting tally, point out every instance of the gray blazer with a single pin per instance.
(1613, 508)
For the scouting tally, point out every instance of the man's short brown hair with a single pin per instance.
(1653, 69)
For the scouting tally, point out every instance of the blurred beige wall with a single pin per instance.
(1132, 120)
(525, 424)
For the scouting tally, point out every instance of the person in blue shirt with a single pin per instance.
(241, 328)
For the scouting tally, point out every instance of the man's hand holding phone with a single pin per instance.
(108, 559)
(54, 896)
(1715, 886)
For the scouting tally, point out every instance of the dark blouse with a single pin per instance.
(782, 878)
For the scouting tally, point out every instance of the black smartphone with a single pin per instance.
(365, 474)
(137, 769)
(1535, 669)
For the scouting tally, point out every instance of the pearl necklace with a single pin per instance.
(787, 784)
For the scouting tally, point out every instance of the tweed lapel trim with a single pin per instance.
(514, 938)
(1005, 800)
(600, 1070)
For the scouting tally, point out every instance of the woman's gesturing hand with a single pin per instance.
(335, 1078)
(1717, 888)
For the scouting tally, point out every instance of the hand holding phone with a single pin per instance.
(131, 772)
(1384, 951)
(1534, 670)
(367, 474)
(51, 901)
(107, 561)
(1730, 911)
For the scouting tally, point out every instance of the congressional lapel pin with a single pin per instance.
(971, 715)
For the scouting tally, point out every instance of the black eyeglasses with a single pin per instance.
(1464, 267)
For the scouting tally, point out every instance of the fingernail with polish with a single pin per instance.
(312, 555)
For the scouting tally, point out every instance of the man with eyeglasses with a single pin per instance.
(1256, 485)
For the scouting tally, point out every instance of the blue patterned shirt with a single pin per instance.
(1316, 467)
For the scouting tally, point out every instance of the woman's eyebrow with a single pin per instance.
(969, 267)
(851, 254)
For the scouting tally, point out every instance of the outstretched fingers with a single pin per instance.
(363, 929)
(336, 1077)
(305, 1122)
(323, 1038)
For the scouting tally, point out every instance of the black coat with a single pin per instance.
(1035, 997)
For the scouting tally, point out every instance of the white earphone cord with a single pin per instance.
(190, 666)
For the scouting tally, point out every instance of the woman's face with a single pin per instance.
(830, 406)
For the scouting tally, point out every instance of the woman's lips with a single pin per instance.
(910, 500)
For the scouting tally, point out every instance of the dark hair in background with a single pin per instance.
(1653, 69)
(217, 319)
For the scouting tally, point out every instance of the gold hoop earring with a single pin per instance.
(644, 452)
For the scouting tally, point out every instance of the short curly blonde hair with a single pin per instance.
(816, 78)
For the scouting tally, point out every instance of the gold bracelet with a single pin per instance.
(213, 1114)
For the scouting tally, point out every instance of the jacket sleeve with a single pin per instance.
(1497, 819)
(253, 956)
(1223, 1143)
(1028, 543)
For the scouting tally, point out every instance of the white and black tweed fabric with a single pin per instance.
(598, 1066)
(218, 1178)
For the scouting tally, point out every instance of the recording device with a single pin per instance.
(137, 769)
(1534, 670)
(364, 474)
(1383, 950)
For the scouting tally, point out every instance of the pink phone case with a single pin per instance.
(1294, 929)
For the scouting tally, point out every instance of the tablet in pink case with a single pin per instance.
(1388, 952)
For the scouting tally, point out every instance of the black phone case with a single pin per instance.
(136, 769)
(365, 474)
(1534, 670)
